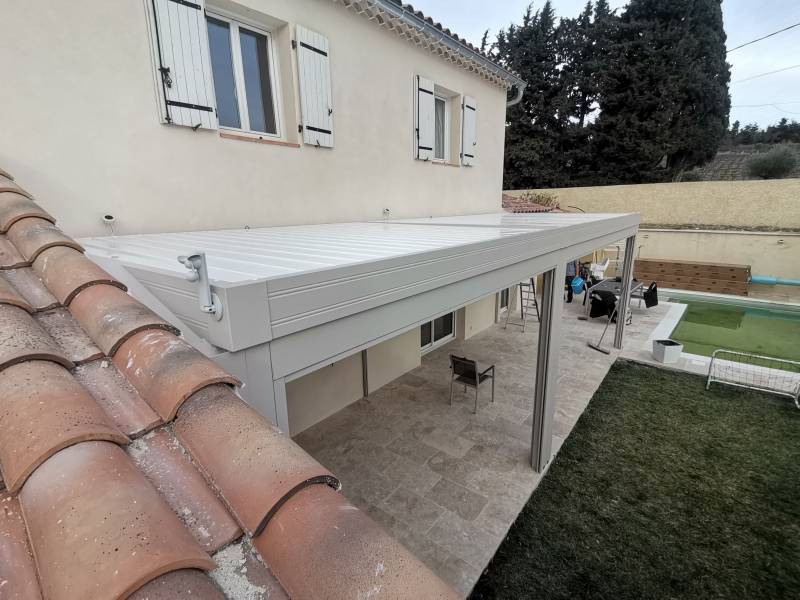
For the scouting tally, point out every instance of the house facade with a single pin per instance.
(172, 115)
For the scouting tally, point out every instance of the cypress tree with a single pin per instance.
(664, 100)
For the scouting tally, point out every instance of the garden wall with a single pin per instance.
(772, 204)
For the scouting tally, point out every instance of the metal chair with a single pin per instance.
(465, 371)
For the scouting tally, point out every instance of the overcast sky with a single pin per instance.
(745, 20)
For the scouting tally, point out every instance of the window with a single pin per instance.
(441, 140)
(437, 332)
(504, 297)
(242, 63)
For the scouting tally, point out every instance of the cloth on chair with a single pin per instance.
(602, 304)
(651, 295)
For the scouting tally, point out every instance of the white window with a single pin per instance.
(441, 140)
(504, 298)
(243, 66)
(437, 332)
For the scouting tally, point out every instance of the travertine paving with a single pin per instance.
(448, 484)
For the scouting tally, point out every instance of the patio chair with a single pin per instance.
(465, 371)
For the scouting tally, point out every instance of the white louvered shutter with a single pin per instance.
(469, 141)
(183, 62)
(425, 130)
(316, 100)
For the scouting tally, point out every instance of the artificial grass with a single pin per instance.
(662, 490)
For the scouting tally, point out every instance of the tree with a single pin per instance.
(775, 164)
(664, 100)
(534, 125)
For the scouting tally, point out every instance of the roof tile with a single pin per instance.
(165, 463)
(43, 411)
(33, 235)
(110, 316)
(254, 466)
(30, 287)
(166, 370)
(6, 174)
(9, 295)
(66, 272)
(18, 572)
(241, 573)
(98, 528)
(14, 207)
(184, 584)
(10, 258)
(67, 333)
(319, 545)
(9, 185)
(23, 339)
(116, 396)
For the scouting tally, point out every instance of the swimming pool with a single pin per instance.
(710, 323)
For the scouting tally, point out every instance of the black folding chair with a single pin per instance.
(465, 372)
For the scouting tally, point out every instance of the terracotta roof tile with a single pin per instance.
(44, 410)
(165, 463)
(67, 333)
(110, 316)
(9, 185)
(515, 204)
(254, 466)
(116, 396)
(23, 339)
(17, 570)
(33, 235)
(184, 584)
(319, 545)
(97, 526)
(241, 573)
(166, 370)
(14, 207)
(6, 174)
(30, 287)
(10, 258)
(66, 272)
(10, 295)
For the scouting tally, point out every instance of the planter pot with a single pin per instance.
(667, 351)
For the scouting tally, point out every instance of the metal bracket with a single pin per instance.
(198, 272)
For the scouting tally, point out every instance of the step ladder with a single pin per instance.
(527, 301)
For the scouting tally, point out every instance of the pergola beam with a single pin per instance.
(625, 291)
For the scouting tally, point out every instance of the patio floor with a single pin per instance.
(446, 483)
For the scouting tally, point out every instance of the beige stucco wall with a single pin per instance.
(476, 317)
(318, 395)
(80, 127)
(771, 254)
(754, 204)
(390, 359)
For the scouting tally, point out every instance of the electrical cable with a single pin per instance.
(767, 73)
(764, 37)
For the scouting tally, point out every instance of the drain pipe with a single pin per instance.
(767, 280)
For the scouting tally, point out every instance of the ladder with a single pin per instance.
(527, 301)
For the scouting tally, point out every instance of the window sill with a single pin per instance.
(257, 140)
(442, 163)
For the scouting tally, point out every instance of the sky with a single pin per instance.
(764, 100)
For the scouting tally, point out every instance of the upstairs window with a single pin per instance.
(242, 62)
(441, 139)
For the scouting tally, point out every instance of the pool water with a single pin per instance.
(706, 326)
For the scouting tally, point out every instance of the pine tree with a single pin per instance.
(664, 96)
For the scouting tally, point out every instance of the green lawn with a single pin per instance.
(663, 490)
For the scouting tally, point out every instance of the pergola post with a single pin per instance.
(544, 395)
(625, 291)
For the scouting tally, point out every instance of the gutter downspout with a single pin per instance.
(516, 99)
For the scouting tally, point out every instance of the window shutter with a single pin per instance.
(425, 118)
(469, 141)
(183, 62)
(316, 100)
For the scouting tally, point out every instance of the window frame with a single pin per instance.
(434, 343)
(447, 116)
(235, 23)
(500, 307)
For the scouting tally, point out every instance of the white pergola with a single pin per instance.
(294, 299)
